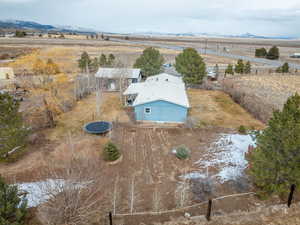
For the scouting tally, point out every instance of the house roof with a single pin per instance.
(164, 77)
(117, 72)
(157, 88)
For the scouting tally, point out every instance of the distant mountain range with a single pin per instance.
(29, 25)
(246, 35)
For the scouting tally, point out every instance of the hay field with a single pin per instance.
(262, 94)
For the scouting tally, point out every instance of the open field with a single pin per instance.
(233, 48)
(126, 53)
(215, 108)
(262, 94)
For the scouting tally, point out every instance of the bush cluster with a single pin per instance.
(111, 152)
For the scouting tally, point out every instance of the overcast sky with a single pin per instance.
(260, 17)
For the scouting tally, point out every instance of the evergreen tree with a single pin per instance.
(274, 163)
(239, 67)
(12, 133)
(191, 65)
(247, 68)
(273, 53)
(84, 62)
(95, 64)
(20, 33)
(110, 60)
(261, 52)
(229, 69)
(150, 62)
(111, 152)
(103, 60)
(12, 208)
(283, 69)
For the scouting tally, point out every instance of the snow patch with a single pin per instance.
(227, 155)
(41, 191)
(193, 175)
(38, 192)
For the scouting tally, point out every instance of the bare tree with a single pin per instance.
(132, 194)
(156, 200)
(115, 194)
(75, 195)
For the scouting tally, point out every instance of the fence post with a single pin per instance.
(110, 218)
(208, 214)
(293, 187)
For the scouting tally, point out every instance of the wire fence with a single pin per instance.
(183, 208)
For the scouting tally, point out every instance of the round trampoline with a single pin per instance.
(100, 127)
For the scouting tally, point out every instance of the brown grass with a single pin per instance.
(85, 111)
(260, 95)
(218, 109)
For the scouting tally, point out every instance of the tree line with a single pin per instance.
(85, 63)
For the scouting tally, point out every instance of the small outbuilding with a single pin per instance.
(6, 73)
(161, 98)
(114, 79)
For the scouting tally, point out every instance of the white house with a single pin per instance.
(111, 78)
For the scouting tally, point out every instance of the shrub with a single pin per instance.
(111, 152)
(242, 129)
(182, 152)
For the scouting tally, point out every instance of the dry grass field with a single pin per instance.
(262, 94)
(215, 108)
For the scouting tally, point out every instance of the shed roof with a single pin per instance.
(6, 70)
(117, 72)
(153, 89)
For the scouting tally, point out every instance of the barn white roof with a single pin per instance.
(157, 88)
(117, 72)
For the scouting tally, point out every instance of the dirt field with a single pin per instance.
(215, 108)
(239, 46)
(262, 94)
